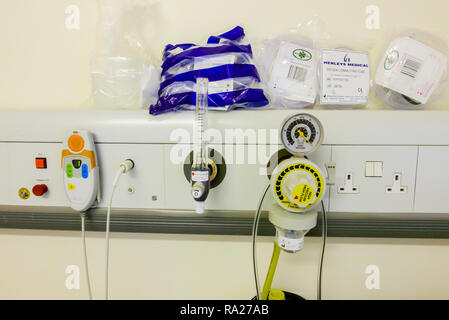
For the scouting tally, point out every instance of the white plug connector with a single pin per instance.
(124, 167)
(127, 165)
(330, 167)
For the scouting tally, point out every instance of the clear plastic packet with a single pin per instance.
(412, 72)
(116, 81)
(309, 62)
(120, 67)
(344, 74)
(226, 61)
(288, 66)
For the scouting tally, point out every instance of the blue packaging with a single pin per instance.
(226, 61)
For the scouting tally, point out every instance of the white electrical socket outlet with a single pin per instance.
(349, 186)
(372, 196)
(397, 187)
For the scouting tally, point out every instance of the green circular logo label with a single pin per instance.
(391, 59)
(302, 54)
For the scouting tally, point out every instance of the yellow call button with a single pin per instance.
(71, 186)
(303, 194)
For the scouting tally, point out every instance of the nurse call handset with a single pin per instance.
(80, 170)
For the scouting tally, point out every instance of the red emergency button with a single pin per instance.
(39, 189)
(41, 163)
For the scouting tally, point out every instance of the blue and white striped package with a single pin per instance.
(226, 61)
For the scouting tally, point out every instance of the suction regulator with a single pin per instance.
(298, 186)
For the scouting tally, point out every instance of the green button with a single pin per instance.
(69, 171)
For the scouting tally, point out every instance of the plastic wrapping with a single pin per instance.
(288, 66)
(116, 81)
(344, 70)
(226, 61)
(412, 73)
(344, 77)
(121, 73)
(310, 65)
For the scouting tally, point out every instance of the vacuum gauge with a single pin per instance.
(301, 134)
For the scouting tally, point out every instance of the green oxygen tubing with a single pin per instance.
(271, 270)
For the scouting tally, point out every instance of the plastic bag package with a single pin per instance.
(413, 71)
(344, 76)
(116, 82)
(310, 62)
(288, 66)
(122, 76)
(226, 61)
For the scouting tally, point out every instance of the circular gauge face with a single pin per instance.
(301, 134)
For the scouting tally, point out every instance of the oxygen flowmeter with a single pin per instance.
(298, 186)
(200, 173)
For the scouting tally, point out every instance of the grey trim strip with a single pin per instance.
(218, 223)
(131, 222)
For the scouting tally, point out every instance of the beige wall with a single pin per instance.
(149, 266)
(44, 65)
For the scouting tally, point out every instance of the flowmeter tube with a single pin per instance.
(200, 175)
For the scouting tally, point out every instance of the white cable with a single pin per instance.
(86, 266)
(124, 167)
(108, 220)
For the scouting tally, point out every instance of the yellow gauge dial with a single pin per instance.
(298, 185)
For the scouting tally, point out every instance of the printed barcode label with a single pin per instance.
(411, 67)
(297, 73)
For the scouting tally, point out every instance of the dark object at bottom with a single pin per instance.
(288, 296)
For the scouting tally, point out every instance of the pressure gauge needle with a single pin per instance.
(301, 134)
